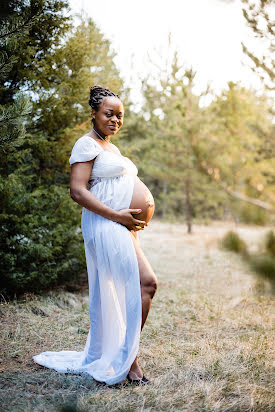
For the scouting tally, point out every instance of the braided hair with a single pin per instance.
(97, 94)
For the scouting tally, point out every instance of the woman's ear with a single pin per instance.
(93, 112)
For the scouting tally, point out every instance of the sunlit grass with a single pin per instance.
(207, 345)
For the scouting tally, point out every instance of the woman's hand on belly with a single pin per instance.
(126, 218)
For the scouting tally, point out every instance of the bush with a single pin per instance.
(40, 246)
(270, 243)
(232, 241)
(264, 265)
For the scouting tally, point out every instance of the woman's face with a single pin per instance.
(108, 120)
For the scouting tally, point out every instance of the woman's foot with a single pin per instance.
(135, 371)
(140, 381)
(136, 376)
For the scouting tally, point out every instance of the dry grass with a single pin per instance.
(207, 345)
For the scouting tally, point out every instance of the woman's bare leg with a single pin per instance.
(148, 285)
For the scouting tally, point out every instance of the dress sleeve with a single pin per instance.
(85, 149)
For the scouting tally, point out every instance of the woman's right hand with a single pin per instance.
(126, 218)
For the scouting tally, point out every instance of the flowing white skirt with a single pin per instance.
(114, 293)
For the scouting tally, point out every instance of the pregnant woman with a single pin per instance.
(116, 205)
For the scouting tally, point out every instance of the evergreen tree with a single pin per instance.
(40, 240)
(240, 124)
(31, 30)
(193, 157)
(23, 38)
(169, 140)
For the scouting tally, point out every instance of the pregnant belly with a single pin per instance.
(142, 199)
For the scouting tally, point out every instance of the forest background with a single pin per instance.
(201, 162)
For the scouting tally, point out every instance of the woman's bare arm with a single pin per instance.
(80, 175)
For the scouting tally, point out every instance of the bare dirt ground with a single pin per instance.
(207, 345)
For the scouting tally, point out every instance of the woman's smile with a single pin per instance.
(111, 110)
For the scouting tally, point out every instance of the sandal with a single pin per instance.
(141, 381)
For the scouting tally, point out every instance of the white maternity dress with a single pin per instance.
(114, 285)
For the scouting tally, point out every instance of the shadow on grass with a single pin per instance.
(45, 391)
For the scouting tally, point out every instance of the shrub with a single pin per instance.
(232, 241)
(264, 265)
(270, 243)
(40, 246)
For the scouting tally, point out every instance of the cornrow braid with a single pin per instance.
(97, 94)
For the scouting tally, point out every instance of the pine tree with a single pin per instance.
(23, 38)
(40, 241)
(192, 157)
(169, 140)
(239, 125)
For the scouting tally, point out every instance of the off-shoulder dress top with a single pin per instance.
(114, 284)
(107, 164)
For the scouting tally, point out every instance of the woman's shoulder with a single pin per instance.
(86, 140)
(85, 149)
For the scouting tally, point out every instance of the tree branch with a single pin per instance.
(245, 198)
(234, 193)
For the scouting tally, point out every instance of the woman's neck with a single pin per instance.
(100, 136)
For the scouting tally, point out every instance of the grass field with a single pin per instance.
(207, 344)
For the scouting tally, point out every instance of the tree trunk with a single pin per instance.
(164, 200)
(187, 205)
